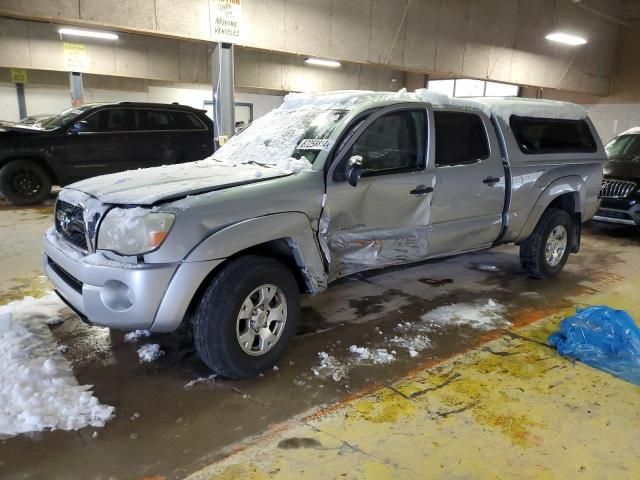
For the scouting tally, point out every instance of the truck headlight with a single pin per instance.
(134, 231)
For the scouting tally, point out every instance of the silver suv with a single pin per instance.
(322, 187)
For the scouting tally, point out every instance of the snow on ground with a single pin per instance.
(37, 388)
(136, 335)
(375, 355)
(413, 338)
(482, 314)
(149, 353)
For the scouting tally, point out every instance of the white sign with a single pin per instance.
(226, 20)
(75, 57)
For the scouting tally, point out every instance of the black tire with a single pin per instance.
(532, 252)
(216, 314)
(24, 182)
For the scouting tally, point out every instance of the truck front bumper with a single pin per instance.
(151, 297)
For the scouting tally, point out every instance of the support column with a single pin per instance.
(77, 90)
(223, 91)
(22, 104)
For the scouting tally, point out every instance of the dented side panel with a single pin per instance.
(293, 227)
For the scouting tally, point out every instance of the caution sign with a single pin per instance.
(226, 20)
(75, 57)
(18, 75)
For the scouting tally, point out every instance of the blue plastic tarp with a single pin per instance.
(604, 338)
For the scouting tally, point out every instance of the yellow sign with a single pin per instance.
(74, 56)
(226, 20)
(18, 75)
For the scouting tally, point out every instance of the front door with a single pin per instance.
(384, 219)
(103, 146)
(469, 192)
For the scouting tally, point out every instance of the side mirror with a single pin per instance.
(354, 170)
(79, 127)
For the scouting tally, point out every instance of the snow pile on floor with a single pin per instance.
(375, 355)
(37, 388)
(149, 353)
(330, 367)
(136, 335)
(416, 343)
(482, 314)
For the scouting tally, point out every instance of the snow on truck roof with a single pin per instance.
(500, 106)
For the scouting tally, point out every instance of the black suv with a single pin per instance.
(620, 193)
(96, 139)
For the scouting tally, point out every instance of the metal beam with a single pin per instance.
(223, 92)
(77, 89)
(22, 104)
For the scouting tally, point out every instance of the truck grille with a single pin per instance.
(616, 188)
(69, 220)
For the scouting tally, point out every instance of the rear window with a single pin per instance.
(460, 138)
(548, 135)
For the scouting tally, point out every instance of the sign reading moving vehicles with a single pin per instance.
(226, 21)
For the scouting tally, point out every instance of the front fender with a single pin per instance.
(571, 184)
(293, 227)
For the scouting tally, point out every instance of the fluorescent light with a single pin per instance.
(566, 38)
(88, 33)
(322, 62)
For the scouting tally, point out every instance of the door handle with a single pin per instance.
(491, 181)
(420, 190)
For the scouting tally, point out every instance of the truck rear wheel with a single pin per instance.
(246, 316)
(24, 182)
(545, 252)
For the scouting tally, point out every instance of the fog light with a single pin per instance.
(117, 296)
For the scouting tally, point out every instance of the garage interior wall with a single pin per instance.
(465, 38)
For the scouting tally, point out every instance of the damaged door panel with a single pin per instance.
(384, 218)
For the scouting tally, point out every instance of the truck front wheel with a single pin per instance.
(24, 182)
(545, 252)
(246, 316)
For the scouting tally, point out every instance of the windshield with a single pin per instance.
(624, 147)
(282, 136)
(62, 118)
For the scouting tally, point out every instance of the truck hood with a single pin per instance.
(622, 169)
(170, 182)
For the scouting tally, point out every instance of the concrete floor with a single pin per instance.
(475, 405)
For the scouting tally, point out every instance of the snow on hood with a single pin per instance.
(149, 185)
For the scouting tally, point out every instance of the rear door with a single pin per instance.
(104, 146)
(154, 141)
(194, 140)
(384, 219)
(469, 192)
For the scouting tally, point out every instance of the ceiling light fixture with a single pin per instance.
(88, 33)
(566, 38)
(323, 63)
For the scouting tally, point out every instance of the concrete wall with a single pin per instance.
(502, 40)
(26, 44)
(48, 92)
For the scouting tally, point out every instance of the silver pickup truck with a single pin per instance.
(322, 187)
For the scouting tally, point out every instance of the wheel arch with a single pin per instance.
(567, 193)
(39, 159)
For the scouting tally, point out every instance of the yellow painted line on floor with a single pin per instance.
(510, 408)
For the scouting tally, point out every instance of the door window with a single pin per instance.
(187, 121)
(155, 120)
(392, 143)
(110, 120)
(461, 138)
